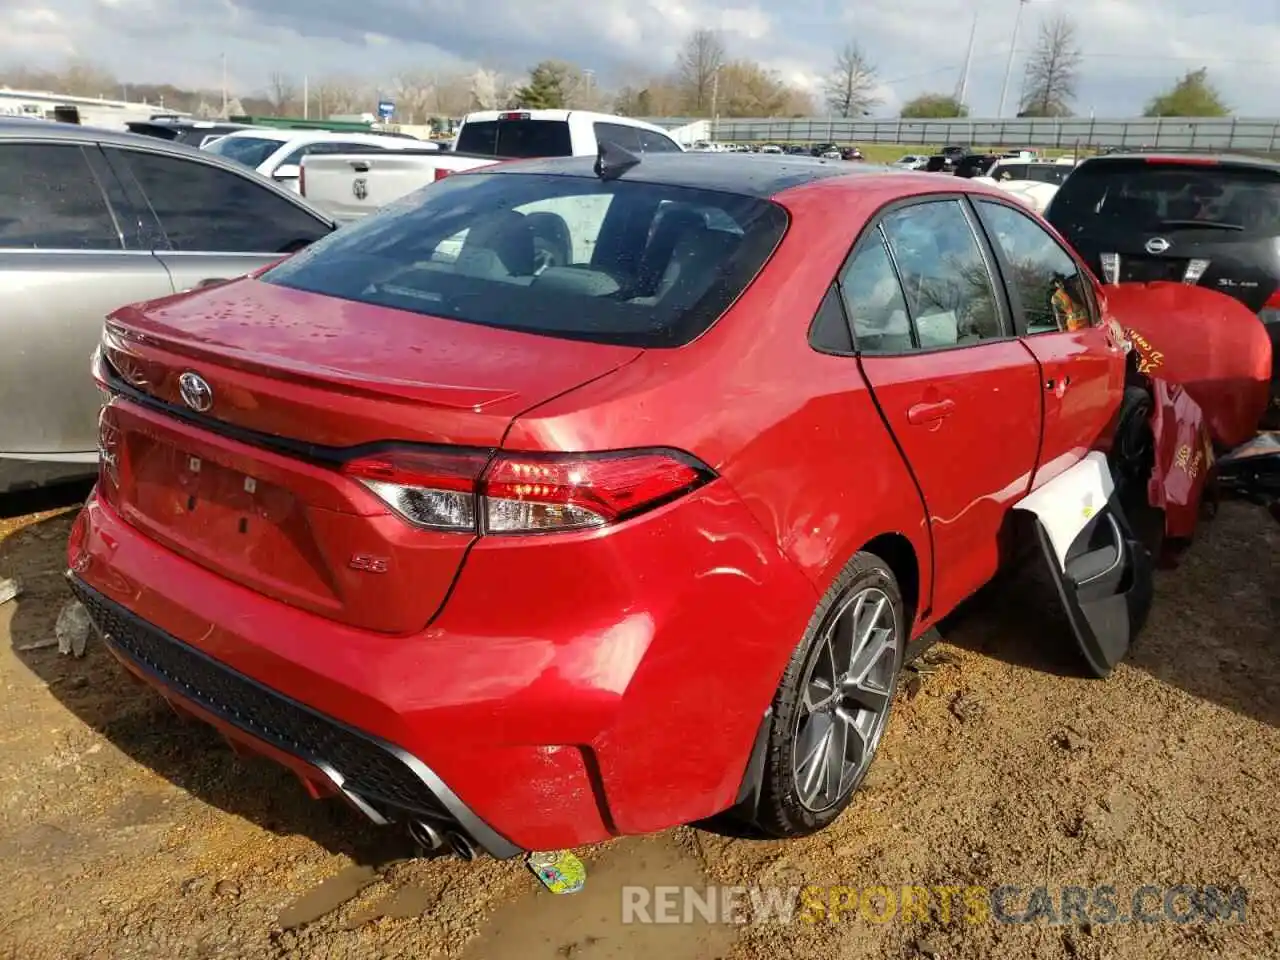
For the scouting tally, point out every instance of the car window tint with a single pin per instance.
(948, 286)
(618, 134)
(203, 208)
(516, 139)
(250, 151)
(829, 331)
(50, 200)
(614, 261)
(873, 300)
(653, 142)
(1048, 282)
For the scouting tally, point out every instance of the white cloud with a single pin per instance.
(1134, 48)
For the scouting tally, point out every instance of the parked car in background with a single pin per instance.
(947, 159)
(771, 148)
(1033, 183)
(974, 164)
(1210, 221)
(278, 154)
(91, 220)
(350, 186)
(195, 133)
(419, 547)
(912, 161)
(851, 153)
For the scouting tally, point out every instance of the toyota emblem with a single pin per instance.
(1157, 245)
(196, 393)
(360, 187)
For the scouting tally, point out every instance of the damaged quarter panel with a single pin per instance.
(1207, 343)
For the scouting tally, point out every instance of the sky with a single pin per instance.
(1133, 48)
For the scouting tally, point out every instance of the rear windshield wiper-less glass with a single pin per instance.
(1205, 224)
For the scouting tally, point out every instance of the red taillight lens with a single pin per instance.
(1273, 301)
(518, 115)
(441, 173)
(524, 495)
(429, 488)
(110, 443)
(452, 490)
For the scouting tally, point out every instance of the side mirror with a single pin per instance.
(287, 171)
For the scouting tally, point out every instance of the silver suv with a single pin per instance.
(91, 220)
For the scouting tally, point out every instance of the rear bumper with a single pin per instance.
(375, 775)
(572, 689)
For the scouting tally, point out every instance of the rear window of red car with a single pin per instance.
(612, 261)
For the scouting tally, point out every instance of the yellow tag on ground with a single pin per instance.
(559, 870)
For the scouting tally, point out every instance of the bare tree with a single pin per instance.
(699, 61)
(281, 91)
(1053, 70)
(339, 95)
(486, 87)
(850, 90)
(415, 95)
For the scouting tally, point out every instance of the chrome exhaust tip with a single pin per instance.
(425, 835)
(461, 845)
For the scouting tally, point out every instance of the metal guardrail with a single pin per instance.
(1168, 133)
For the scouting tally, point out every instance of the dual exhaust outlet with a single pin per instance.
(431, 838)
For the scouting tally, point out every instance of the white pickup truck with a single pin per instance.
(348, 186)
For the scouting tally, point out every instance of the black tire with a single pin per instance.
(781, 811)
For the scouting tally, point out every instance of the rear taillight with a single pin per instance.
(1110, 267)
(441, 173)
(1195, 270)
(428, 488)
(109, 444)
(1270, 312)
(467, 492)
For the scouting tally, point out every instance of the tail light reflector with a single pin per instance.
(428, 488)
(1270, 312)
(468, 492)
(440, 174)
(1110, 267)
(1273, 301)
(1195, 270)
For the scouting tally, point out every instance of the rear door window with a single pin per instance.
(202, 208)
(1047, 282)
(516, 139)
(50, 200)
(614, 261)
(948, 285)
(1142, 196)
(874, 301)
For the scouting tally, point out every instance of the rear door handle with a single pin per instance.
(930, 412)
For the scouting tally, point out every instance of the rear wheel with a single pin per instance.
(832, 705)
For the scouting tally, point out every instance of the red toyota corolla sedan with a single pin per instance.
(566, 500)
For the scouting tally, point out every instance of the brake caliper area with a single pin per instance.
(1103, 575)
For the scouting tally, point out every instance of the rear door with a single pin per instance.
(959, 391)
(65, 263)
(211, 223)
(1081, 364)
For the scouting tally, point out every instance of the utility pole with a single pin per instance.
(1013, 48)
(962, 95)
(224, 86)
(715, 96)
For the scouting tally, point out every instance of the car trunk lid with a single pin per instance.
(251, 485)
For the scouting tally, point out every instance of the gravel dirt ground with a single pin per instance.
(127, 833)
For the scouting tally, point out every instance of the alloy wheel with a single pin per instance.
(848, 686)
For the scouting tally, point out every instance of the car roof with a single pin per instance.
(1189, 158)
(743, 173)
